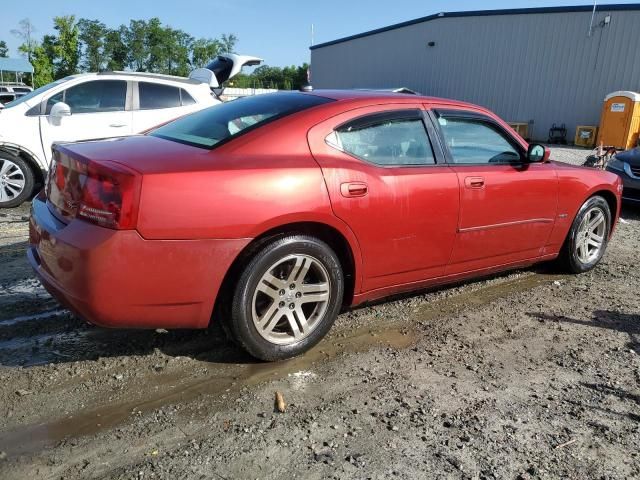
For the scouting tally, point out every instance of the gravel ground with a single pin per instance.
(531, 374)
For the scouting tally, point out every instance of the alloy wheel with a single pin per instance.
(591, 235)
(291, 299)
(12, 180)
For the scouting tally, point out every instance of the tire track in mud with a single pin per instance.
(222, 377)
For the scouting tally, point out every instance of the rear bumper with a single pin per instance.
(118, 279)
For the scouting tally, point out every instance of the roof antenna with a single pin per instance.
(593, 15)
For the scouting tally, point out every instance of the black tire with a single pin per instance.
(239, 322)
(569, 258)
(25, 174)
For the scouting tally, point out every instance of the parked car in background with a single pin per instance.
(96, 105)
(627, 165)
(272, 213)
(18, 88)
(6, 97)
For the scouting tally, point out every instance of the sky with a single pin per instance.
(279, 31)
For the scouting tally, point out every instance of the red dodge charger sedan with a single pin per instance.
(272, 213)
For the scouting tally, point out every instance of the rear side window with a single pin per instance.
(92, 97)
(186, 98)
(216, 125)
(155, 95)
(387, 139)
(474, 141)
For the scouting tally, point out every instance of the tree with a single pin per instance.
(4, 50)
(67, 46)
(115, 49)
(180, 44)
(269, 77)
(25, 33)
(92, 34)
(203, 51)
(135, 40)
(228, 42)
(43, 68)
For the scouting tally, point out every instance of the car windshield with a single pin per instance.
(220, 123)
(36, 92)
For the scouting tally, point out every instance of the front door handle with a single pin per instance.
(354, 189)
(474, 182)
(118, 125)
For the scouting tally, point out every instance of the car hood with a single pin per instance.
(632, 157)
(143, 153)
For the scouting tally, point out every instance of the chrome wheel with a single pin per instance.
(12, 180)
(291, 299)
(591, 235)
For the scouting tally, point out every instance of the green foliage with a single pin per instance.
(142, 46)
(228, 43)
(92, 35)
(116, 51)
(287, 78)
(4, 50)
(42, 66)
(203, 50)
(67, 46)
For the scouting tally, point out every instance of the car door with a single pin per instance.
(390, 184)
(98, 110)
(157, 103)
(507, 205)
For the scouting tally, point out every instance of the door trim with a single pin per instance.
(506, 224)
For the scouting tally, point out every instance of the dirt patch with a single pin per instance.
(524, 375)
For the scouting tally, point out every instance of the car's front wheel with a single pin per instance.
(16, 180)
(286, 298)
(588, 237)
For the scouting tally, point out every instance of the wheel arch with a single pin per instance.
(612, 201)
(30, 158)
(345, 250)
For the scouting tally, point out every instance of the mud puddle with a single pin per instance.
(223, 377)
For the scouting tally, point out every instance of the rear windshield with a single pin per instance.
(220, 123)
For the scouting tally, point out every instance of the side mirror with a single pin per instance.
(538, 153)
(60, 110)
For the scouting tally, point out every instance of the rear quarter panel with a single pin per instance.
(262, 180)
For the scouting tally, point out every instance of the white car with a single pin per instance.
(96, 105)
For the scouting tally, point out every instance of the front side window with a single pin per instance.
(387, 139)
(92, 97)
(475, 141)
(155, 95)
(218, 124)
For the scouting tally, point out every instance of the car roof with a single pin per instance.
(137, 75)
(381, 95)
(155, 76)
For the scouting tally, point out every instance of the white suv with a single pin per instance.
(96, 105)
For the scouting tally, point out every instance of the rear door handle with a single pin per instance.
(118, 125)
(354, 189)
(474, 182)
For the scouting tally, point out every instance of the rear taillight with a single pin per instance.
(110, 195)
(104, 193)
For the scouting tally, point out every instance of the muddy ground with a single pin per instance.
(531, 374)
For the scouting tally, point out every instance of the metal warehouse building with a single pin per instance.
(537, 65)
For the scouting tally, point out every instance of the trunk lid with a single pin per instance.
(222, 68)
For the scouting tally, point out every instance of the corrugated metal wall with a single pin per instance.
(540, 67)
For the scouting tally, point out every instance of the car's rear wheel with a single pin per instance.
(16, 180)
(286, 298)
(588, 237)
